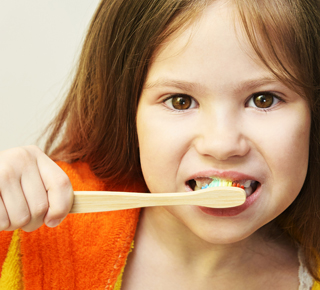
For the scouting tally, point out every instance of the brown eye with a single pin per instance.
(263, 100)
(181, 102)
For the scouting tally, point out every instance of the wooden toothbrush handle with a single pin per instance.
(99, 201)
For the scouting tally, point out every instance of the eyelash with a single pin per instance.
(275, 97)
(193, 104)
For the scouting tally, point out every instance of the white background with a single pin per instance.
(40, 41)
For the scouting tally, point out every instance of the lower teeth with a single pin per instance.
(248, 190)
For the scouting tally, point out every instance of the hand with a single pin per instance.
(34, 190)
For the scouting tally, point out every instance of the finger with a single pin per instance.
(59, 190)
(12, 198)
(4, 219)
(36, 197)
(16, 205)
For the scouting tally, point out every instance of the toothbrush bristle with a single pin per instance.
(217, 182)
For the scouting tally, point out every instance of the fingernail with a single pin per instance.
(53, 223)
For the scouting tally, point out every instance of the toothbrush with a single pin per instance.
(99, 201)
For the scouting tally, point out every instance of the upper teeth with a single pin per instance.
(247, 183)
(212, 182)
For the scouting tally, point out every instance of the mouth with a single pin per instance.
(198, 183)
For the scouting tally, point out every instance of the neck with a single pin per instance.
(164, 238)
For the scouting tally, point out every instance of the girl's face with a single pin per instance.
(209, 108)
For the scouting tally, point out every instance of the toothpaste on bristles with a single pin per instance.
(220, 182)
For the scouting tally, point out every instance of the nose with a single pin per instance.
(222, 137)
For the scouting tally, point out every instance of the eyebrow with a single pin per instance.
(249, 84)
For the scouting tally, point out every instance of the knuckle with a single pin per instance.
(31, 228)
(63, 182)
(24, 220)
(14, 161)
(60, 213)
(7, 173)
(4, 224)
(40, 209)
(21, 154)
(19, 222)
(33, 149)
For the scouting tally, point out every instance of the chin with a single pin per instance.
(217, 231)
(225, 236)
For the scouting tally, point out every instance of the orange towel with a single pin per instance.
(87, 251)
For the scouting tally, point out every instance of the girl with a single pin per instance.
(168, 95)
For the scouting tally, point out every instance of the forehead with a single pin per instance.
(212, 46)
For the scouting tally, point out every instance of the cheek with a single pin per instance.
(285, 137)
(291, 149)
(290, 167)
(294, 157)
(284, 145)
(161, 148)
(150, 154)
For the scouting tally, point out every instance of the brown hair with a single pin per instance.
(96, 124)
(97, 121)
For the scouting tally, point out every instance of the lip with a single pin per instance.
(230, 175)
